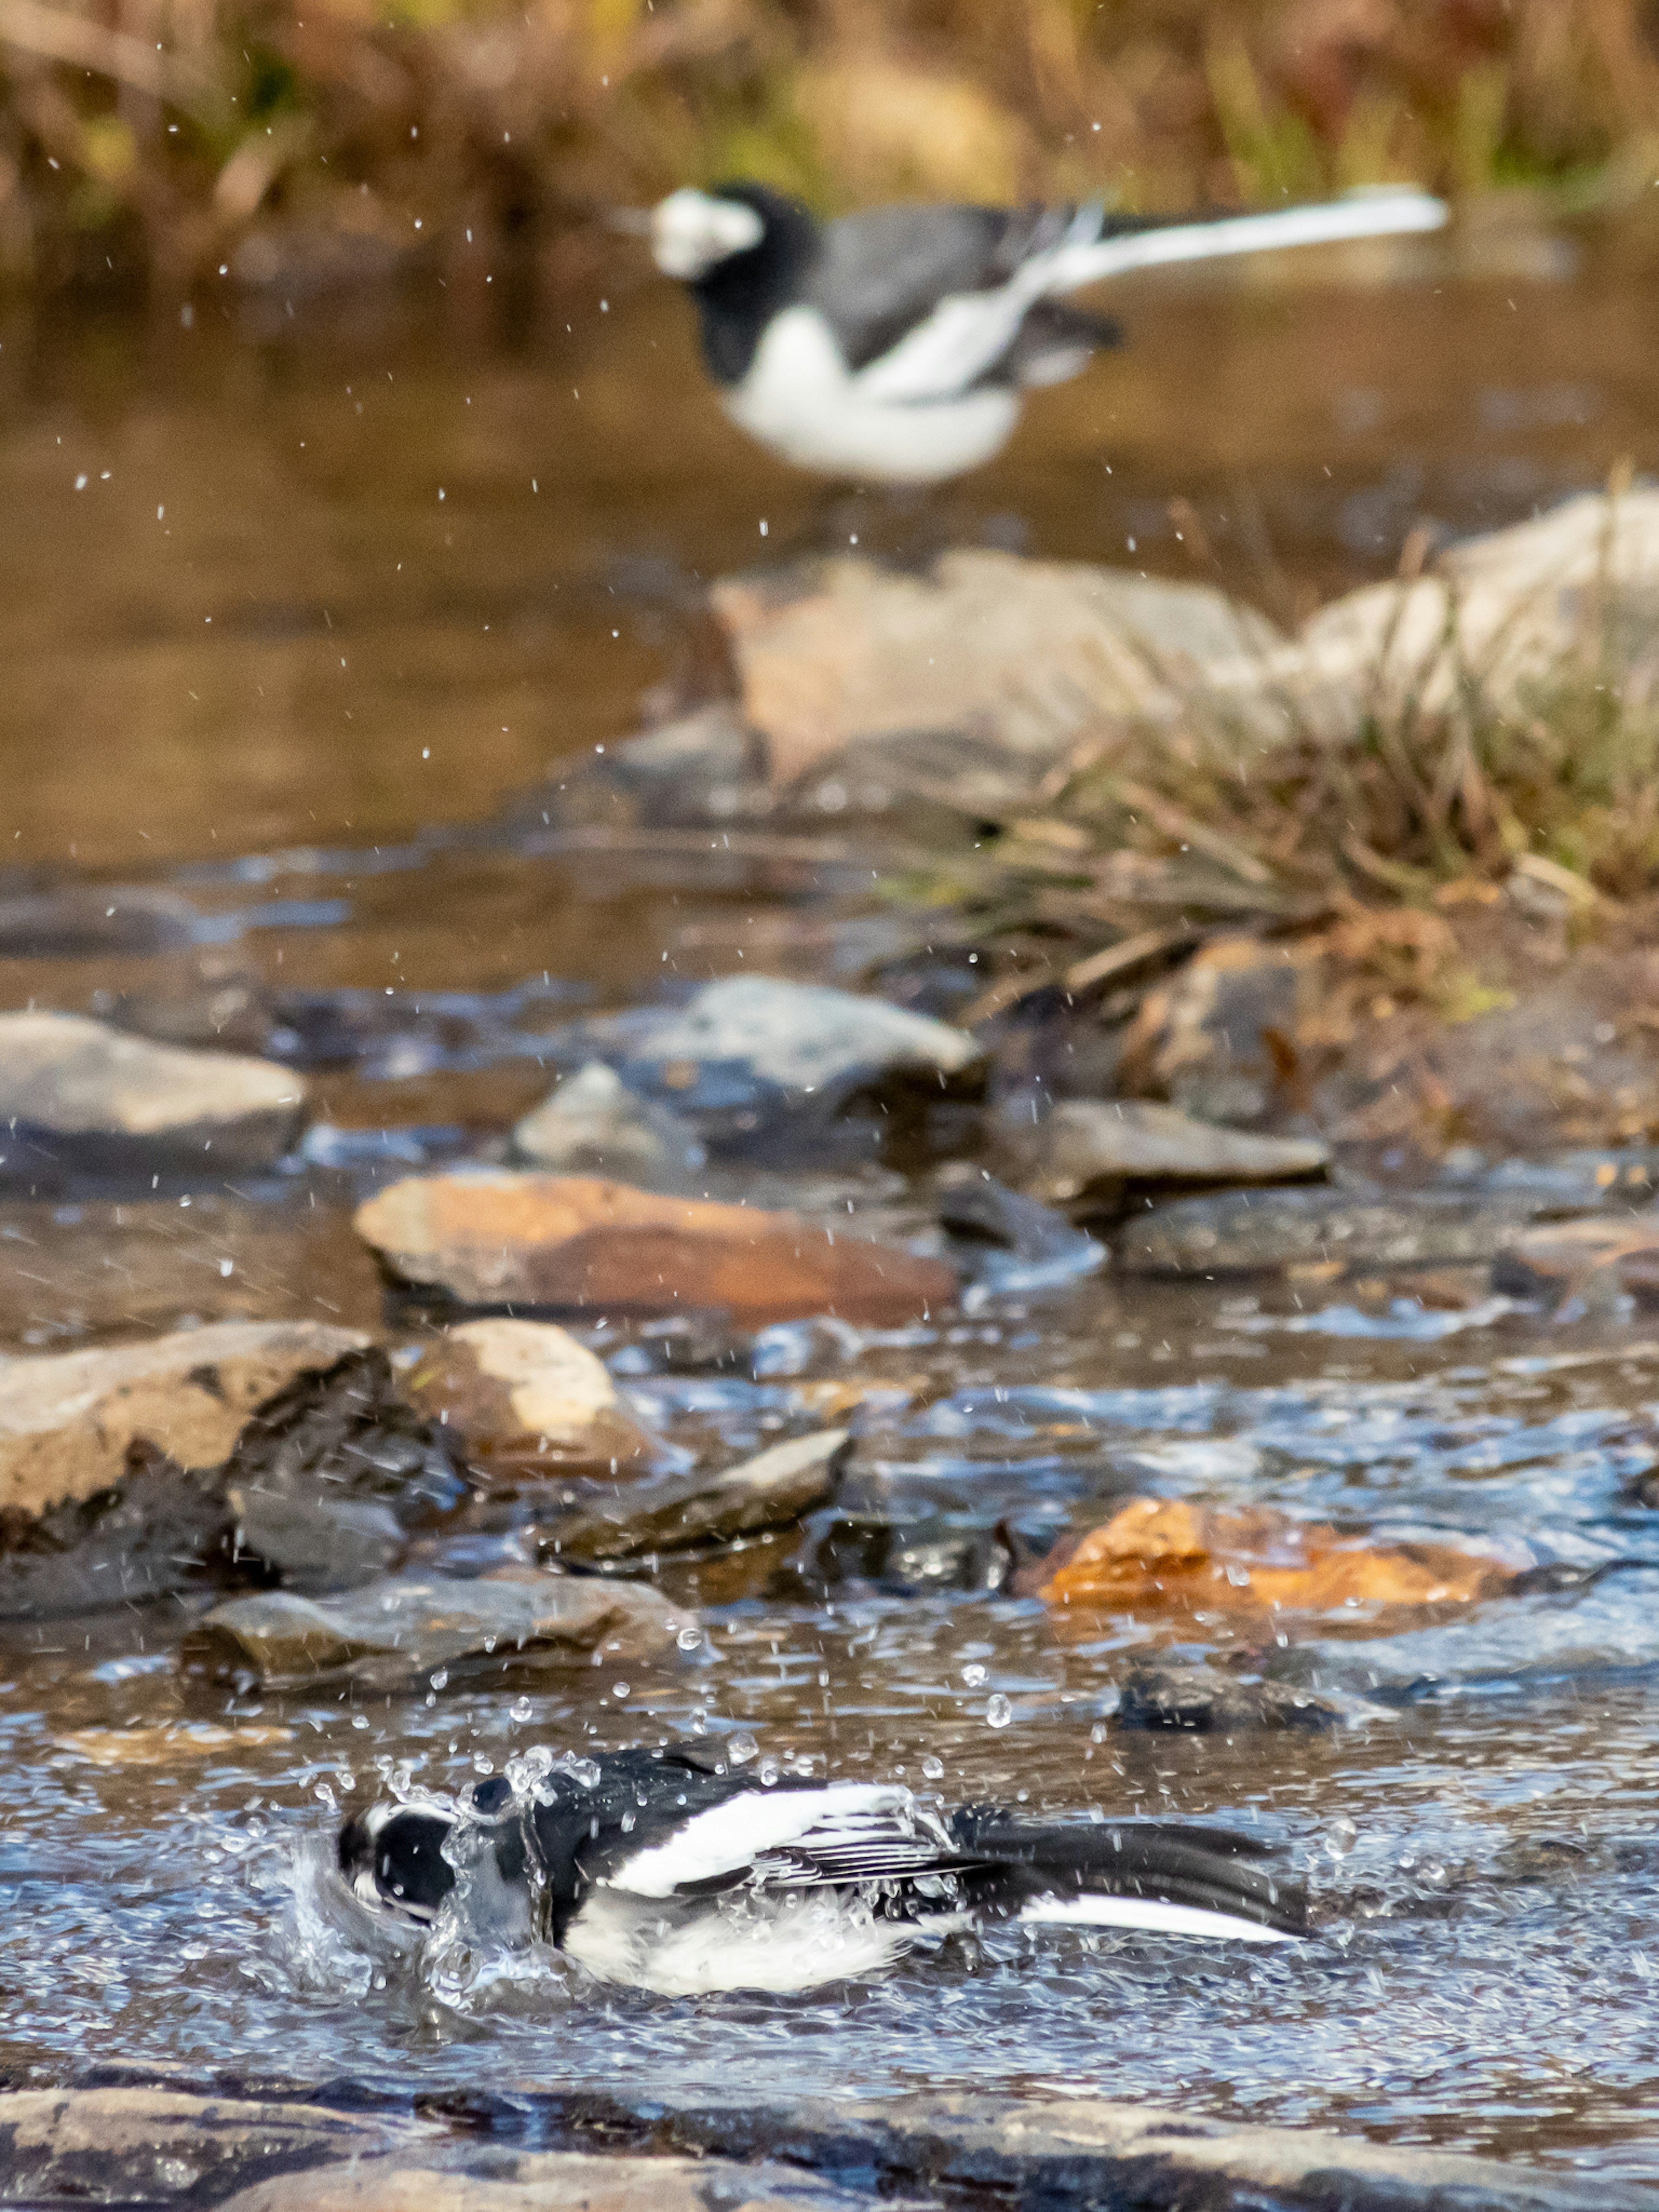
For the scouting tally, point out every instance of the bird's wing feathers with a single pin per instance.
(792, 1837)
(970, 332)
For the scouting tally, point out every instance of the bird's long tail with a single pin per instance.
(1112, 247)
(1163, 1876)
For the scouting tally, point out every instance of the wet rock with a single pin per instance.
(1203, 1701)
(216, 1002)
(1156, 1553)
(523, 1398)
(748, 1058)
(78, 920)
(907, 1559)
(158, 1527)
(841, 649)
(1589, 1263)
(1217, 1039)
(68, 1419)
(1011, 1244)
(315, 1544)
(154, 2145)
(346, 1430)
(1241, 1231)
(592, 1124)
(771, 1490)
(497, 2178)
(703, 767)
(493, 1238)
(1093, 1149)
(77, 1097)
(390, 1632)
(1573, 1182)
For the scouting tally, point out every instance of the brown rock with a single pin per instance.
(843, 649)
(67, 1420)
(769, 1491)
(150, 2146)
(1218, 1038)
(409, 1626)
(77, 1095)
(1157, 1554)
(523, 1396)
(492, 1237)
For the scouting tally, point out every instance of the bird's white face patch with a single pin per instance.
(691, 231)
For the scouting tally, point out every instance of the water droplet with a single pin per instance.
(521, 1709)
(932, 1768)
(621, 1689)
(689, 1638)
(441, 1679)
(998, 1710)
(767, 1772)
(973, 1675)
(1340, 1837)
(740, 1749)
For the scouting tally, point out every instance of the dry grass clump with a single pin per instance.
(145, 134)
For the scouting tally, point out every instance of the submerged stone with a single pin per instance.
(78, 1097)
(772, 1489)
(1242, 1231)
(391, 1632)
(749, 1055)
(592, 1124)
(569, 1242)
(1198, 1700)
(523, 1397)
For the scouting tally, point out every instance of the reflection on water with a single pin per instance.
(256, 654)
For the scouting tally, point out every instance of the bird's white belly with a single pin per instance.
(784, 1940)
(799, 399)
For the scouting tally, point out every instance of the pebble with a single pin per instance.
(770, 1491)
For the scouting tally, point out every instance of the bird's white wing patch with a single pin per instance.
(1078, 261)
(1147, 1914)
(969, 333)
(729, 1837)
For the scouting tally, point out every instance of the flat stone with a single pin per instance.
(78, 1097)
(1242, 1232)
(1090, 1146)
(77, 919)
(500, 2179)
(523, 1397)
(153, 2146)
(1203, 1701)
(841, 649)
(1013, 1245)
(748, 1054)
(316, 1544)
(592, 1124)
(568, 1243)
(68, 1419)
(390, 1630)
(770, 1491)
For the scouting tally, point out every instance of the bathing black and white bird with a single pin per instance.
(663, 1870)
(895, 346)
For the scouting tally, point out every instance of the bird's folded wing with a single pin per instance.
(845, 1831)
(968, 333)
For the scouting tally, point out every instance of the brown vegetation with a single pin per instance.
(158, 135)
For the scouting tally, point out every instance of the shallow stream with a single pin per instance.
(299, 616)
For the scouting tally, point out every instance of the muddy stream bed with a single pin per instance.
(302, 616)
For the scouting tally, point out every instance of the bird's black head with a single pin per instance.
(745, 253)
(392, 1857)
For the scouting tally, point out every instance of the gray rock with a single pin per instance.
(1089, 1147)
(749, 1052)
(1009, 1244)
(77, 1097)
(316, 1544)
(704, 766)
(1202, 1701)
(769, 1491)
(392, 1631)
(592, 1124)
(1241, 1231)
(214, 1001)
(909, 1558)
(81, 919)
(495, 2177)
(150, 2145)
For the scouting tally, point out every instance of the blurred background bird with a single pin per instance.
(896, 346)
